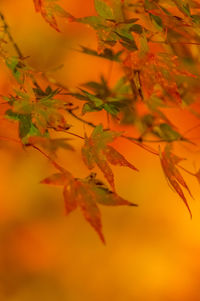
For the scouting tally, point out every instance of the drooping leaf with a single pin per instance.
(86, 194)
(136, 28)
(166, 132)
(49, 9)
(96, 152)
(127, 42)
(157, 21)
(183, 6)
(169, 163)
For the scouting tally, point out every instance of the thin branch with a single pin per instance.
(56, 165)
(70, 111)
(189, 172)
(140, 144)
(10, 37)
(139, 139)
(181, 43)
(76, 135)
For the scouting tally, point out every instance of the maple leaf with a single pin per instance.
(49, 9)
(41, 6)
(86, 194)
(111, 27)
(169, 163)
(158, 72)
(37, 113)
(96, 151)
(113, 100)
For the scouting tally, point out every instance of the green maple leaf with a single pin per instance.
(37, 113)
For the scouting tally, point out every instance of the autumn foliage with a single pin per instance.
(155, 44)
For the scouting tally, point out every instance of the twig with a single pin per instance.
(181, 43)
(56, 165)
(139, 139)
(189, 172)
(7, 31)
(140, 144)
(76, 135)
(70, 111)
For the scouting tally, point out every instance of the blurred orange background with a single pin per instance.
(152, 252)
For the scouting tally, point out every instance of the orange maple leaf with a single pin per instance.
(86, 194)
(49, 9)
(169, 163)
(96, 151)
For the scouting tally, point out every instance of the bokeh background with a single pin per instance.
(152, 252)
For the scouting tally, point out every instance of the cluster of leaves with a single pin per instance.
(37, 112)
(152, 78)
(102, 97)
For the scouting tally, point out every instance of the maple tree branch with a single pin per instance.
(139, 139)
(56, 165)
(70, 111)
(181, 43)
(76, 135)
(187, 171)
(10, 37)
(140, 144)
